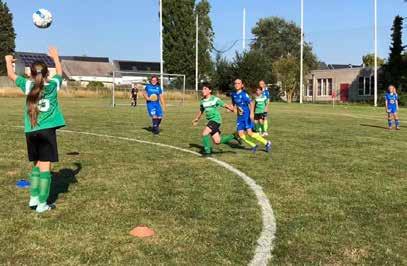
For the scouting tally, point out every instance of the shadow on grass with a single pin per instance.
(201, 148)
(150, 129)
(374, 126)
(61, 181)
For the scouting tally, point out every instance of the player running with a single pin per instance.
(209, 106)
(260, 116)
(42, 116)
(244, 108)
(392, 106)
(155, 103)
(266, 93)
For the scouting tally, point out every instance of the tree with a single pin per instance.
(287, 71)
(7, 35)
(205, 37)
(394, 67)
(222, 76)
(250, 67)
(179, 37)
(369, 60)
(276, 38)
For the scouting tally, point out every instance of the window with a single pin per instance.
(319, 87)
(361, 85)
(367, 86)
(325, 87)
(310, 87)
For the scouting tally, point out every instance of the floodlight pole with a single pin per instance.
(244, 29)
(114, 86)
(302, 53)
(196, 53)
(375, 54)
(161, 45)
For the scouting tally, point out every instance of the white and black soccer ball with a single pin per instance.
(42, 18)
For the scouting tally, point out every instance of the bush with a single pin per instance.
(95, 84)
(402, 99)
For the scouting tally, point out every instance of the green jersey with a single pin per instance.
(260, 104)
(50, 115)
(210, 107)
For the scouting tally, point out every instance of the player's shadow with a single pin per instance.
(374, 126)
(61, 181)
(201, 149)
(150, 129)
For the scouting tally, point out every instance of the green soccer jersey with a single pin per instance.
(210, 107)
(50, 115)
(261, 103)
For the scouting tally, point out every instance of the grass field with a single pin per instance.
(337, 181)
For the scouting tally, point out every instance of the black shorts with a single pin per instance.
(260, 116)
(215, 127)
(42, 145)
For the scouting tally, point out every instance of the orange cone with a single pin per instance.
(142, 231)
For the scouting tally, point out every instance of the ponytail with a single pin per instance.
(39, 72)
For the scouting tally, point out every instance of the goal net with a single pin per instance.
(123, 81)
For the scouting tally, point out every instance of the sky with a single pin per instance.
(340, 31)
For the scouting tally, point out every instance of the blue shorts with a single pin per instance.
(154, 109)
(392, 109)
(244, 123)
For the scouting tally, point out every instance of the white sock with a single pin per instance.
(34, 201)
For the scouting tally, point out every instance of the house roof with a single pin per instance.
(86, 58)
(137, 66)
(86, 68)
(337, 66)
(28, 58)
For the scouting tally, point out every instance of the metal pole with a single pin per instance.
(114, 86)
(244, 29)
(196, 54)
(375, 54)
(161, 45)
(183, 96)
(302, 52)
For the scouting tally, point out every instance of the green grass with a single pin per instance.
(336, 181)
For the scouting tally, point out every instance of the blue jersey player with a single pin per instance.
(392, 106)
(266, 93)
(155, 103)
(244, 107)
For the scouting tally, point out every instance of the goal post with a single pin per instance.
(173, 86)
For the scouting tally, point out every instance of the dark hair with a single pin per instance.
(39, 72)
(208, 85)
(156, 77)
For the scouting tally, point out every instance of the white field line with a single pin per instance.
(265, 245)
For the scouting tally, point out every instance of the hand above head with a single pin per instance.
(9, 59)
(53, 52)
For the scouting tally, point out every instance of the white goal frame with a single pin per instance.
(140, 74)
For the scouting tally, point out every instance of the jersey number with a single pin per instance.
(43, 105)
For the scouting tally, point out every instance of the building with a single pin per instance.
(344, 83)
(25, 59)
(134, 71)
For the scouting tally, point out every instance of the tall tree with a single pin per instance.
(179, 37)
(7, 35)
(287, 71)
(222, 76)
(369, 60)
(205, 37)
(394, 66)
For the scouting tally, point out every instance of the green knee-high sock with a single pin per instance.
(207, 143)
(258, 128)
(35, 182)
(263, 129)
(225, 139)
(45, 183)
(249, 142)
(259, 138)
(265, 126)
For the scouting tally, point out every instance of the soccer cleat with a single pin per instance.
(237, 138)
(398, 128)
(265, 134)
(254, 149)
(34, 201)
(268, 146)
(43, 207)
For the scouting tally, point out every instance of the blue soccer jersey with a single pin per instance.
(391, 99)
(266, 93)
(242, 101)
(153, 105)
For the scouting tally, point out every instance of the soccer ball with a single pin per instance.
(42, 18)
